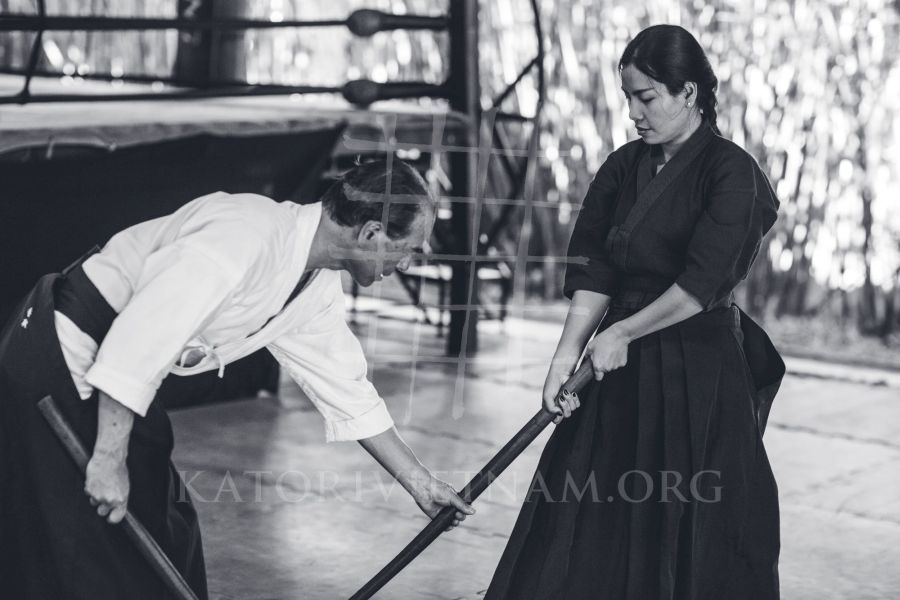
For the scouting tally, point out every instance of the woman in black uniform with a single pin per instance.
(659, 485)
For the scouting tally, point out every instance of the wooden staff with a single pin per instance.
(473, 489)
(141, 538)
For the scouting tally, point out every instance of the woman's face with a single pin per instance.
(659, 116)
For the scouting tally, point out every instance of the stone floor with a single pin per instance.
(286, 516)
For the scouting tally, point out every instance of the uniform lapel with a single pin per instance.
(650, 188)
(646, 164)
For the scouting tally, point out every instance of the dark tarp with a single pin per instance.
(53, 210)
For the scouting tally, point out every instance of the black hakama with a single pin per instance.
(54, 545)
(659, 487)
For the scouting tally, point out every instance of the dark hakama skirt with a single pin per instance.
(658, 487)
(53, 545)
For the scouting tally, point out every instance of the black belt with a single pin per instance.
(76, 296)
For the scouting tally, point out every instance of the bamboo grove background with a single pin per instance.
(809, 87)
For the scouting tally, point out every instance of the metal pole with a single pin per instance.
(363, 23)
(464, 95)
(229, 56)
(193, 59)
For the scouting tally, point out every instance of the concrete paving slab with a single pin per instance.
(323, 518)
(839, 409)
(829, 556)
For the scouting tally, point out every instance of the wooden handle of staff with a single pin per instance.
(141, 538)
(475, 487)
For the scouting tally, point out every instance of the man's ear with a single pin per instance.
(369, 231)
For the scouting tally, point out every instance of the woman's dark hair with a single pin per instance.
(392, 193)
(670, 54)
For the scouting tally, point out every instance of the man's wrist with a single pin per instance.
(114, 453)
(416, 480)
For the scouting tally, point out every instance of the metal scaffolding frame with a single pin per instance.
(461, 89)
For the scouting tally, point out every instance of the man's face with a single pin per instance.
(376, 255)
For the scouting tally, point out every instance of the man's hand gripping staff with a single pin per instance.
(477, 485)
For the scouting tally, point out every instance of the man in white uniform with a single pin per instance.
(190, 292)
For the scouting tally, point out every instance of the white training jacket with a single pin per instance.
(194, 291)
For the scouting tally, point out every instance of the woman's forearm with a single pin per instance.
(585, 312)
(673, 306)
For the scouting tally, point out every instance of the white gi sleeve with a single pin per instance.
(327, 362)
(181, 288)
